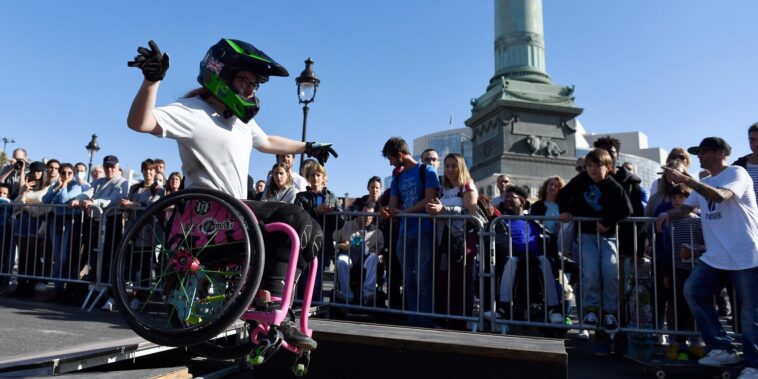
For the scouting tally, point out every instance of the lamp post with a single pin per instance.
(92, 148)
(307, 85)
(6, 141)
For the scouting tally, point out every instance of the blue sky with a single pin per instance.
(677, 70)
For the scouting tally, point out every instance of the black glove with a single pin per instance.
(320, 151)
(153, 63)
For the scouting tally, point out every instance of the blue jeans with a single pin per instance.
(61, 251)
(415, 255)
(599, 259)
(706, 282)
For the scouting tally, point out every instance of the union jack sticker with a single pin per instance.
(214, 65)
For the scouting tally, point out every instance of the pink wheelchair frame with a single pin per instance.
(276, 316)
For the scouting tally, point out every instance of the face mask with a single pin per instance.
(81, 176)
(159, 181)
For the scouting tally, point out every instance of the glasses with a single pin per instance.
(247, 83)
(67, 173)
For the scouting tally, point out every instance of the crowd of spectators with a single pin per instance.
(409, 247)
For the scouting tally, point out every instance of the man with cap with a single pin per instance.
(12, 171)
(730, 226)
(105, 193)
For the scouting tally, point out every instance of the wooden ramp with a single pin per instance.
(353, 350)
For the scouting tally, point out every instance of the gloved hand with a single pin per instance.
(153, 63)
(320, 151)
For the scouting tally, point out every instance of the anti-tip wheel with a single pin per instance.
(299, 369)
(660, 374)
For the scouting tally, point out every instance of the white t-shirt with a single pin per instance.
(730, 228)
(449, 198)
(215, 151)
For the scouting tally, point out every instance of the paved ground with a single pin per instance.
(30, 326)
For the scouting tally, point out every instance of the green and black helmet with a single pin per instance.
(222, 63)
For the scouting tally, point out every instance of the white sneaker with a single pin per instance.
(584, 334)
(748, 373)
(719, 357)
(135, 304)
(556, 318)
(109, 305)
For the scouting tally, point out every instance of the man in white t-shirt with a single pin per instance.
(730, 226)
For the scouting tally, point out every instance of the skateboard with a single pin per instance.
(664, 368)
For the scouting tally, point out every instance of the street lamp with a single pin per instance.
(92, 147)
(307, 85)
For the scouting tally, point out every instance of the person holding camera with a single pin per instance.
(12, 172)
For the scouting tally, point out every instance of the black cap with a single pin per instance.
(110, 160)
(37, 166)
(711, 143)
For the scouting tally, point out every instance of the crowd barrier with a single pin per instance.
(649, 269)
(444, 292)
(457, 281)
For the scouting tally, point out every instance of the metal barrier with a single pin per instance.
(45, 243)
(446, 286)
(649, 277)
(54, 243)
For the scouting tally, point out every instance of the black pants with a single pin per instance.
(277, 245)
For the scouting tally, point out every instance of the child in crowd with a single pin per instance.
(358, 242)
(318, 201)
(594, 193)
(682, 246)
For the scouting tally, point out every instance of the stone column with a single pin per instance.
(519, 41)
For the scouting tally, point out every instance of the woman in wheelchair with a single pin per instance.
(215, 131)
(519, 241)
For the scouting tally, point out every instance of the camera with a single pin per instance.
(19, 165)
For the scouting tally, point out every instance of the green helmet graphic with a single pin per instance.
(222, 63)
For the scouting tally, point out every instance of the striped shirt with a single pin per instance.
(688, 232)
(752, 170)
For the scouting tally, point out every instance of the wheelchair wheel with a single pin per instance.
(188, 267)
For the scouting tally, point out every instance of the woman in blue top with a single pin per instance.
(62, 192)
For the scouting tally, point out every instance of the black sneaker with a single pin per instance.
(295, 337)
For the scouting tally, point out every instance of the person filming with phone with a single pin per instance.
(12, 172)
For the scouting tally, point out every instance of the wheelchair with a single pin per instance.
(189, 268)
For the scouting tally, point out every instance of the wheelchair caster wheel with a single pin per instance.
(266, 348)
(254, 359)
(302, 362)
